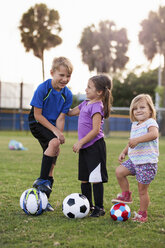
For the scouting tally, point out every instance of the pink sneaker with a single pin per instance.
(125, 197)
(139, 218)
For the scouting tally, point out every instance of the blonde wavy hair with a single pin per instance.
(139, 98)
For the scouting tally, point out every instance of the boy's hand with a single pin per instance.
(57, 152)
(77, 146)
(60, 136)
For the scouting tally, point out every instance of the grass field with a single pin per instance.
(18, 170)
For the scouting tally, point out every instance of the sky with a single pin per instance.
(16, 65)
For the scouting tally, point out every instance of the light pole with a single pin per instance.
(157, 96)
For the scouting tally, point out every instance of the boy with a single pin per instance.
(51, 101)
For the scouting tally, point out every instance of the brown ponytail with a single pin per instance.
(104, 84)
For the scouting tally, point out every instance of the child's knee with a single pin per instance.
(121, 171)
(54, 143)
(118, 172)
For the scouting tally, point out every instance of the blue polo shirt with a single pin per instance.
(51, 101)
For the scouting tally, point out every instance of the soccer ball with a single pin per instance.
(120, 212)
(33, 201)
(75, 206)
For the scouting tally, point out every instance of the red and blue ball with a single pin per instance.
(120, 212)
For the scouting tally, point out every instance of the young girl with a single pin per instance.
(143, 152)
(91, 146)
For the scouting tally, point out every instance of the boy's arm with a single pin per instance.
(152, 134)
(60, 122)
(41, 119)
(74, 111)
(96, 123)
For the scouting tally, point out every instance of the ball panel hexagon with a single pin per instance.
(83, 209)
(70, 215)
(71, 202)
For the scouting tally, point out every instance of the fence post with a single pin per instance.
(106, 127)
(21, 106)
(0, 102)
(0, 94)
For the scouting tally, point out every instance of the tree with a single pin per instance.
(39, 29)
(152, 37)
(123, 93)
(75, 101)
(104, 48)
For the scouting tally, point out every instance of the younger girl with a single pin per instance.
(91, 146)
(143, 152)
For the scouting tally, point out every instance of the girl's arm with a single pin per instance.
(41, 119)
(96, 123)
(74, 111)
(123, 154)
(152, 134)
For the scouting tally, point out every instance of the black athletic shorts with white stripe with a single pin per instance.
(92, 163)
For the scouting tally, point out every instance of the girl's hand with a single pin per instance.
(121, 157)
(133, 142)
(77, 146)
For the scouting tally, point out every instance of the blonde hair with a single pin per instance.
(57, 62)
(148, 100)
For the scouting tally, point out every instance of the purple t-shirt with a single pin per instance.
(85, 120)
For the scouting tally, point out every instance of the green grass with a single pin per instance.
(18, 170)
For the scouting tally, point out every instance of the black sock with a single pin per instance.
(46, 166)
(98, 191)
(51, 181)
(87, 191)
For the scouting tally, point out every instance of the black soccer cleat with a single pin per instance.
(97, 212)
(43, 185)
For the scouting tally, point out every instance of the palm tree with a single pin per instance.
(39, 29)
(152, 37)
(104, 48)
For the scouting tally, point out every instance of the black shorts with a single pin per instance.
(42, 134)
(92, 163)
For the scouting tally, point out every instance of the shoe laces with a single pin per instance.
(137, 216)
(119, 195)
(124, 195)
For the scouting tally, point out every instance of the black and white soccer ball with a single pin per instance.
(75, 206)
(33, 201)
